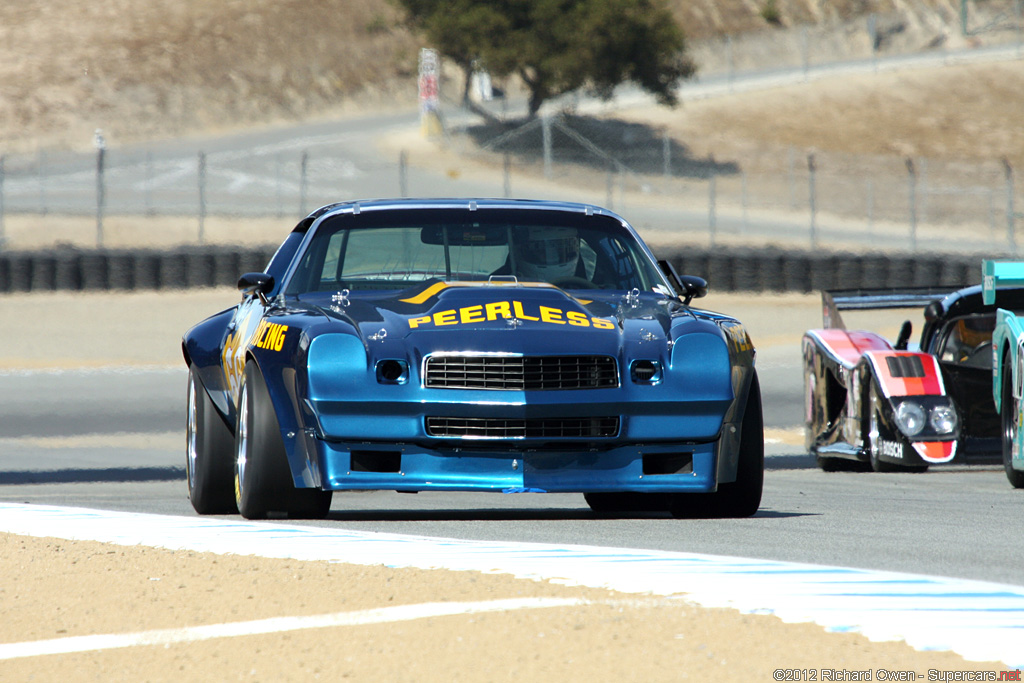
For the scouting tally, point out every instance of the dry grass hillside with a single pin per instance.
(142, 69)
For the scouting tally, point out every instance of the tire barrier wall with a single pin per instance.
(97, 270)
(774, 270)
(730, 270)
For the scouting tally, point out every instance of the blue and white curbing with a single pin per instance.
(979, 620)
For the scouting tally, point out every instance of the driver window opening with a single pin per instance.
(968, 341)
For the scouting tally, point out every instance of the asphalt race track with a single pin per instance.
(114, 440)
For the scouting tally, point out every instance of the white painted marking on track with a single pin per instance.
(170, 636)
(978, 620)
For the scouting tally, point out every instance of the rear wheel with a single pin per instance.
(208, 451)
(742, 497)
(263, 480)
(1010, 415)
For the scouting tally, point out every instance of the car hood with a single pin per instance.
(528, 318)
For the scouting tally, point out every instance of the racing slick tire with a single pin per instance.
(1009, 413)
(742, 497)
(871, 441)
(209, 447)
(263, 481)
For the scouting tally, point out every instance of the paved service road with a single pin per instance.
(115, 440)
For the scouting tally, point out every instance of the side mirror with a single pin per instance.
(694, 287)
(901, 341)
(259, 284)
(690, 287)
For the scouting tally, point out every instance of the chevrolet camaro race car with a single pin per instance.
(471, 345)
(875, 404)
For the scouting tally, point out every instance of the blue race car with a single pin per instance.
(471, 345)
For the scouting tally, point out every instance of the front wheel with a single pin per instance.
(742, 497)
(263, 480)
(1010, 415)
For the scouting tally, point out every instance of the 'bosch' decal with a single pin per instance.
(890, 449)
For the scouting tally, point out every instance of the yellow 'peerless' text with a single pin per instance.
(509, 309)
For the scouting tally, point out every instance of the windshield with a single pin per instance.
(398, 249)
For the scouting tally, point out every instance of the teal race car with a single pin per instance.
(1008, 365)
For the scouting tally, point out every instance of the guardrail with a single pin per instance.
(737, 269)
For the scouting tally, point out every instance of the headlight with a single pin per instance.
(910, 417)
(943, 419)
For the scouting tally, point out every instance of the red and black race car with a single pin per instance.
(898, 406)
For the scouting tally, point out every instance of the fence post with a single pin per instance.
(873, 38)
(278, 181)
(1018, 11)
(744, 199)
(507, 172)
(666, 154)
(403, 179)
(871, 203)
(545, 124)
(149, 184)
(805, 51)
(41, 176)
(912, 200)
(792, 178)
(202, 196)
(302, 182)
(812, 198)
(1011, 228)
(609, 189)
(101, 149)
(3, 235)
(712, 218)
(731, 62)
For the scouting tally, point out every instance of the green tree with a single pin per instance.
(558, 46)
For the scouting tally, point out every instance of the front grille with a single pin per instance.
(530, 428)
(521, 372)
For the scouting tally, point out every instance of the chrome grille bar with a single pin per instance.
(522, 373)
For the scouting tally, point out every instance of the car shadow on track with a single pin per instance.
(523, 515)
(111, 475)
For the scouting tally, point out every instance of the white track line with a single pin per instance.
(171, 636)
(976, 619)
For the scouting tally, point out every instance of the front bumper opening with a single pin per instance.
(376, 461)
(668, 463)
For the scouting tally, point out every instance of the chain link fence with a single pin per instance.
(791, 198)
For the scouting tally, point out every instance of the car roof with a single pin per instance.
(468, 204)
(969, 300)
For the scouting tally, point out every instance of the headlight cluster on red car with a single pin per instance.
(918, 419)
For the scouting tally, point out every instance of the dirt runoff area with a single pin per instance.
(60, 589)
